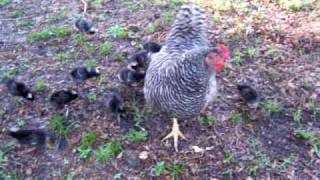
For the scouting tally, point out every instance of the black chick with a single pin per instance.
(19, 89)
(152, 47)
(138, 61)
(249, 94)
(130, 77)
(84, 26)
(80, 74)
(28, 136)
(60, 98)
(115, 104)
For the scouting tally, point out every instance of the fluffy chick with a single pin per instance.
(249, 94)
(81, 74)
(60, 98)
(115, 103)
(19, 89)
(34, 137)
(130, 77)
(84, 26)
(138, 61)
(152, 47)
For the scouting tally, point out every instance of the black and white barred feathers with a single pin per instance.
(178, 80)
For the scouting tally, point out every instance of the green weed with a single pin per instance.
(136, 136)
(118, 32)
(108, 151)
(41, 85)
(176, 170)
(58, 125)
(4, 3)
(160, 168)
(236, 119)
(106, 49)
(205, 120)
(272, 107)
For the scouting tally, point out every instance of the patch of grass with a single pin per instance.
(4, 3)
(272, 107)
(160, 168)
(228, 173)
(87, 140)
(119, 57)
(106, 49)
(81, 39)
(41, 85)
(176, 170)
(175, 2)
(140, 114)
(62, 15)
(61, 32)
(221, 5)
(118, 32)
(21, 123)
(132, 6)
(7, 74)
(136, 136)
(90, 49)
(26, 23)
(58, 125)
(261, 160)
(2, 157)
(92, 97)
(205, 120)
(311, 137)
(117, 176)
(217, 17)
(286, 162)
(167, 17)
(152, 28)
(91, 63)
(252, 169)
(297, 116)
(44, 35)
(108, 151)
(236, 118)
(16, 14)
(251, 52)
(228, 158)
(296, 5)
(238, 57)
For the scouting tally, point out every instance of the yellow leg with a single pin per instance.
(175, 133)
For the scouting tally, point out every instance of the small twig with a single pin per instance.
(84, 8)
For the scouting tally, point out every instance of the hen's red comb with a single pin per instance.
(219, 61)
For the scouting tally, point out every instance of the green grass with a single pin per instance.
(140, 114)
(62, 56)
(167, 17)
(261, 160)
(118, 32)
(119, 57)
(106, 49)
(136, 136)
(61, 32)
(217, 17)
(311, 137)
(221, 5)
(132, 6)
(4, 3)
(6, 74)
(152, 28)
(160, 168)
(91, 63)
(205, 120)
(228, 158)
(58, 125)
(108, 151)
(238, 57)
(297, 115)
(92, 97)
(175, 170)
(295, 5)
(236, 118)
(87, 140)
(251, 52)
(272, 107)
(41, 85)
(176, 2)
(21, 123)
(228, 173)
(90, 49)
(44, 35)
(81, 39)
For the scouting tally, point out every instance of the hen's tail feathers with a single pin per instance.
(190, 28)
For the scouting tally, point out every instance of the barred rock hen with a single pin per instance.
(181, 77)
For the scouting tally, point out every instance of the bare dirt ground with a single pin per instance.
(275, 48)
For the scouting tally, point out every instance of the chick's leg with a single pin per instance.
(175, 133)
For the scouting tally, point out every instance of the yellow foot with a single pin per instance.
(175, 133)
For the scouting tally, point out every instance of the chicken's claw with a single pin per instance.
(175, 133)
